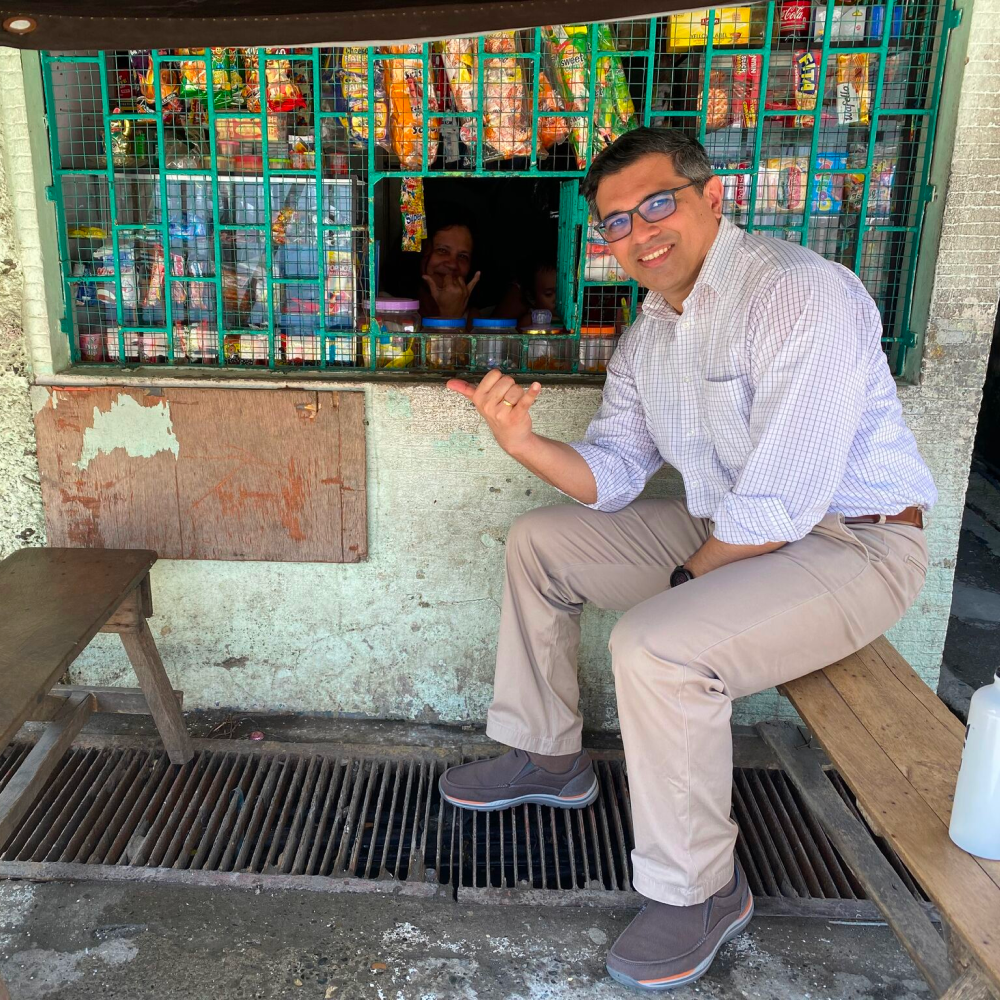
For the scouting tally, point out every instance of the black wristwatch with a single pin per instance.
(680, 575)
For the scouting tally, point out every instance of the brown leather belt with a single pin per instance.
(912, 515)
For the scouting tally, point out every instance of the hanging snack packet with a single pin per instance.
(458, 56)
(282, 93)
(405, 87)
(551, 131)
(718, 114)
(194, 77)
(353, 76)
(806, 68)
(567, 46)
(411, 204)
(141, 62)
(853, 94)
(506, 122)
(614, 113)
(251, 80)
(746, 90)
(614, 110)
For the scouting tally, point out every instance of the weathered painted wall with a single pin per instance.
(411, 632)
(20, 499)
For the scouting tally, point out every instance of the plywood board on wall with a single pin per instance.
(270, 474)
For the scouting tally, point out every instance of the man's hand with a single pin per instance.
(715, 554)
(504, 405)
(452, 294)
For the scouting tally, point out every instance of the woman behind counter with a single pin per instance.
(444, 267)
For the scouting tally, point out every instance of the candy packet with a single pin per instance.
(144, 88)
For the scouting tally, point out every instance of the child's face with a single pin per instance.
(545, 288)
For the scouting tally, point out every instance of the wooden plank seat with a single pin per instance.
(898, 748)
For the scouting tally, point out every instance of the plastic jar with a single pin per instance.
(545, 354)
(498, 343)
(446, 343)
(396, 318)
(597, 344)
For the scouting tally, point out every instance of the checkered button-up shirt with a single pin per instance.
(770, 395)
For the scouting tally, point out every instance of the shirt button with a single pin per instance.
(687, 378)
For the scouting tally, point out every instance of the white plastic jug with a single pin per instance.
(975, 817)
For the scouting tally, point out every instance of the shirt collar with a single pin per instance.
(716, 270)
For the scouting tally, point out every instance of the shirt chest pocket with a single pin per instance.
(725, 413)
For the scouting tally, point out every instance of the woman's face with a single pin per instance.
(450, 253)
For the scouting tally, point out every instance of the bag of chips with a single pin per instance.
(405, 88)
(614, 114)
(551, 130)
(411, 203)
(281, 93)
(144, 87)
(353, 78)
(194, 77)
(506, 122)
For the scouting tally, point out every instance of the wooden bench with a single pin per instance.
(898, 748)
(54, 602)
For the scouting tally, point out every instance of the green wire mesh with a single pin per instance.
(230, 207)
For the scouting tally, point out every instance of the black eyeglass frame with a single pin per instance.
(601, 226)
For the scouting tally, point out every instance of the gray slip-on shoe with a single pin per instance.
(670, 946)
(512, 780)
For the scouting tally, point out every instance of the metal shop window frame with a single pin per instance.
(923, 31)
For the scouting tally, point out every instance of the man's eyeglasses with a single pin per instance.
(655, 208)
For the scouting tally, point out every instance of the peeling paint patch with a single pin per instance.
(141, 431)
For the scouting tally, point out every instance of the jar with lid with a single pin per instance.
(597, 344)
(398, 320)
(446, 343)
(497, 343)
(546, 354)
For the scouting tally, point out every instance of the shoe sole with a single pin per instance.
(672, 982)
(559, 802)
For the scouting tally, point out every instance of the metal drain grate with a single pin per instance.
(326, 822)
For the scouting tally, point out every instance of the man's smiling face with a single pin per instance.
(664, 256)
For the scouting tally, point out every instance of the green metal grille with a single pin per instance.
(236, 207)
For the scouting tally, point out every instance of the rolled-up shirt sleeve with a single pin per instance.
(807, 353)
(618, 447)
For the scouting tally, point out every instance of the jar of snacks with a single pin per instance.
(597, 344)
(446, 344)
(498, 343)
(545, 354)
(397, 321)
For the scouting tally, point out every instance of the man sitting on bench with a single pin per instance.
(756, 370)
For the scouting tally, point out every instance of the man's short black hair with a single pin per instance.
(688, 155)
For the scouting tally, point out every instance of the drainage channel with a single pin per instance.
(331, 822)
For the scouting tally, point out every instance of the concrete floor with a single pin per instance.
(62, 941)
(972, 648)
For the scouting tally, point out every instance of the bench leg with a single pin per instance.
(969, 986)
(163, 706)
(29, 779)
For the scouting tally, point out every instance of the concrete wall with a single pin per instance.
(21, 520)
(411, 633)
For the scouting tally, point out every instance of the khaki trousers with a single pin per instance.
(681, 656)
